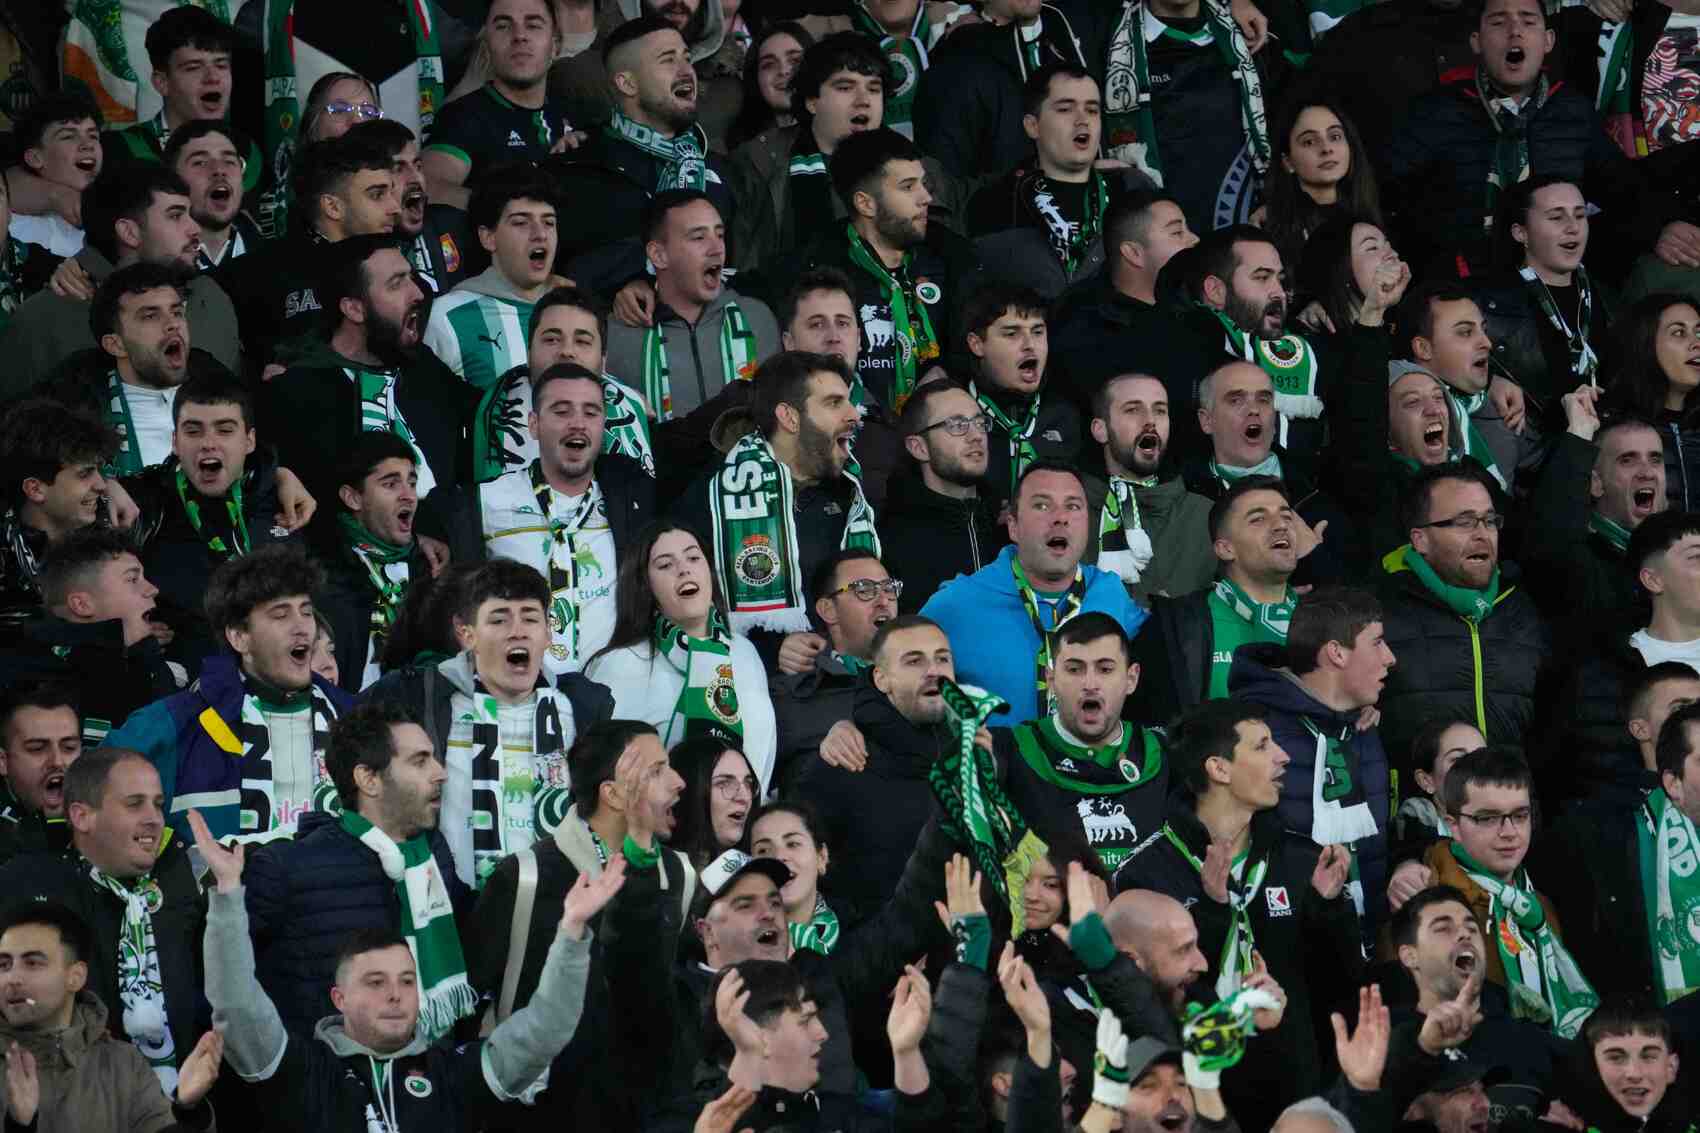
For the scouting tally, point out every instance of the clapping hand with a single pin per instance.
(1021, 990)
(1332, 867)
(1363, 1054)
(911, 1008)
(1218, 867)
(962, 891)
(23, 1087)
(588, 896)
(722, 1114)
(200, 1069)
(1087, 894)
(730, 999)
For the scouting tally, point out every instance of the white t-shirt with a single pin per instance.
(150, 412)
(1653, 651)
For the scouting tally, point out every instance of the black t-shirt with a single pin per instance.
(485, 130)
(1195, 107)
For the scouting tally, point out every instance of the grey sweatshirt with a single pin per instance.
(696, 373)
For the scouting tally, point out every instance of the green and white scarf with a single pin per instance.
(911, 325)
(1511, 138)
(1228, 474)
(1066, 608)
(708, 703)
(1020, 434)
(502, 441)
(97, 55)
(1290, 364)
(283, 125)
(1584, 363)
(141, 989)
(379, 413)
(258, 798)
(680, 158)
(1615, 534)
(1545, 984)
(1669, 851)
(738, 351)
(1468, 439)
(819, 933)
(1245, 882)
(1339, 805)
(517, 796)
(220, 550)
(427, 923)
(1130, 127)
(377, 556)
(1124, 547)
(752, 510)
(907, 58)
(1614, 99)
(1471, 605)
(977, 815)
(128, 460)
(1239, 619)
(563, 532)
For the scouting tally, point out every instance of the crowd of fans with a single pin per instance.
(860, 565)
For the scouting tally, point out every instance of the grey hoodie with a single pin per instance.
(693, 352)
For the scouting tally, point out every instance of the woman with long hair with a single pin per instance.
(768, 68)
(790, 832)
(1345, 258)
(1323, 169)
(720, 792)
(1657, 373)
(673, 662)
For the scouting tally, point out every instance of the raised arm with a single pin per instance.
(254, 1036)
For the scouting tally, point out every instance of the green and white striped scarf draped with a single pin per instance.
(911, 326)
(1228, 473)
(128, 459)
(1614, 98)
(1467, 439)
(141, 988)
(1020, 434)
(752, 507)
(807, 165)
(1272, 616)
(1130, 130)
(1584, 363)
(97, 55)
(907, 57)
(1511, 138)
(819, 933)
(1290, 363)
(681, 160)
(1244, 884)
(708, 701)
(502, 442)
(379, 413)
(1669, 852)
(737, 358)
(1124, 546)
(978, 816)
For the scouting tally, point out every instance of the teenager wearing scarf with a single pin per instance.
(372, 1040)
(673, 662)
(1255, 889)
(1470, 640)
(131, 882)
(1042, 224)
(246, 743)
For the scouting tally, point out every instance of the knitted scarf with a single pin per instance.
(1339, 805)
(709, 701)
(1239, 619)
(1067, 607)
(1615, 534)
(427, 923)
(220, 550)
(1669, 852)
(1018, 433)
(97, 55)
(737, 358)
(259, 791)
(1584, 363)
(1130, 126)
(679, 160)
(977, 815)
(128, 460)
(565, 558)
(1071, 242)
(283, 98)
(376, 555)
(752, 508)
(1511, 138)
(1288, 361)
(907, 58)
(1468, 439)
(1124, 547)
(1228, 473)
(1245, 882)
(1471, 605)
(517, 794)
(1545, 984)
(379, 413)
(808, 186)
(141, 990)
(819, 933)
(501, 441)
(911, 325)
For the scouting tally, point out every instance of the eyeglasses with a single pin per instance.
(1493, 820)
(1469, 521)
(362, 110)
(730, 786)
(867, 589)
(958, 426)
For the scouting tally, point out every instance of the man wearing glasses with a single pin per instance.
(1470, 640)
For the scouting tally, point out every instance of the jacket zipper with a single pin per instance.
(1681, 465)
(1476, 672)
(973, 536)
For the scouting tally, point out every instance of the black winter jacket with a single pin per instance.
(1057, 435)
(1589, 863)
(1572, 568)
(1094, 330)
(304, 897)
(931, 538)
(1680, 432)
(1589, 752)
(1528, 348)
(111, 680)
(1448, 666)
(1531, 1059)
(347, 600)
(1013, 241)
(24, 831)
(805, 707)
(1173, 652)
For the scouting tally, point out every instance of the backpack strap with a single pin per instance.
(525, 897)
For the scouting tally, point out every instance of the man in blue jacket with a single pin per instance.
(999, 619)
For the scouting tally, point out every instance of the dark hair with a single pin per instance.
(1218, 252)
(425, 625)
(1209, 729)
(125, 194)
(325, 167)
(1478, 9)
(73, 931)
(807, 283)
(1231, 496)
(1330, 613)
(1325, 272)
(595, 756)
(196, 130)
(36, 694)
(1414, 317)
(1409, 916)
(1670, 753)
(662, 205)
(564, 372)
(40, 439)
(511, 183)
(68, 563)
(1640, 384)
(503, 580)
(49, 109)
(1038, 86)
(362, 737)
(320, 94)
(243, 584)
(1626, 1014)
(1638, 687)
(1425, 745)
(1419, 489)
(841, 51)
(1657, 534)
(394, 136)
(917, 409)
(694, 760)
(1128, 218)
(773, 987)
(1101, 396)
(783, 379)
(133, 279)
(754, 114)
(635, 607)
(358, 942)
(995, 300)
(1291, 213)
(214, 385)
(1492, 766)
(86, 777)
(1514, 205)
(369, 450)
(897, 625)
(820, 582)
(186, 26)
(806, 814)
(1089, 626)
(861, 159)
(570, 297)
(629, 32)
(343, 264)
(1036, 468)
